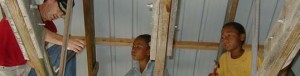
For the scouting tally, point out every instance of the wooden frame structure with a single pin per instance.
(28, 28)
(29, 31)
(280, 45)
(283, 41)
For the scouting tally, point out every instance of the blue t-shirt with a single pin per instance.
(135, 70)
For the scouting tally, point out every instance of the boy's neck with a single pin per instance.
(237, 53)
(143, 64)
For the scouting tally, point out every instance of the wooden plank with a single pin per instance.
(16, 19)
(172, 27)
(88, 6)
(154, 35)
(231, 10)
(283, 40)
(162, 35)
(66, 34)
(34, 24)
(212, 46)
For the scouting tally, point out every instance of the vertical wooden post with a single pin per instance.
(161, 17)
(88, 6)
(171, 34)
(283, 40)
(231, 10)
(66, 34)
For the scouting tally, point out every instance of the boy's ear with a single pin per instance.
(242, 37)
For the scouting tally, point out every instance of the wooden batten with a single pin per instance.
(172, 28)
(210, 46)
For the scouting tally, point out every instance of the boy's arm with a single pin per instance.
(74, 44)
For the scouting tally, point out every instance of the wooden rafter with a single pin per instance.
(231, 10)
(66, 34)
(88, 6)
(212, 46)
(283, 41)
(172, 27)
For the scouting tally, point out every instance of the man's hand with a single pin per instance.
(75, 44)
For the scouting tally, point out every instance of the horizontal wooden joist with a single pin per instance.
(178, 44)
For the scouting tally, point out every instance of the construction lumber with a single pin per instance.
(210, 46)
(88, 6)
(27, 26)
(283, 41)
(231, 10)
(164, 11)
(66, 34)
(172, 27)
(154, 36)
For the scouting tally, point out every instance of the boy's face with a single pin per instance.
(231, 39)
(50, 10)
(140, 50)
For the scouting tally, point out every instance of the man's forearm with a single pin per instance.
(52, 37)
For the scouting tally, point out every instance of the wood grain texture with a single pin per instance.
(66, 34)
(211, 46)
(16, 15)
(283, 40)
(88, 6)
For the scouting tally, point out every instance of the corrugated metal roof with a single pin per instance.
(199, 20)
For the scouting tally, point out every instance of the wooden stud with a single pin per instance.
(154, 36)
(173, 20)
(66, 34)
(162, 36)
(88, 6)
(231, 10)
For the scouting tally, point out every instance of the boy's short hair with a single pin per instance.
(146, 38)
(239, 27)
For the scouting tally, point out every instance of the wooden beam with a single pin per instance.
(20, 21)
(283, 40)
(66, 34)
(173, 21)
(164, 11)
(88, 6)
(211, 46)
(231, 10)
(154, 36)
